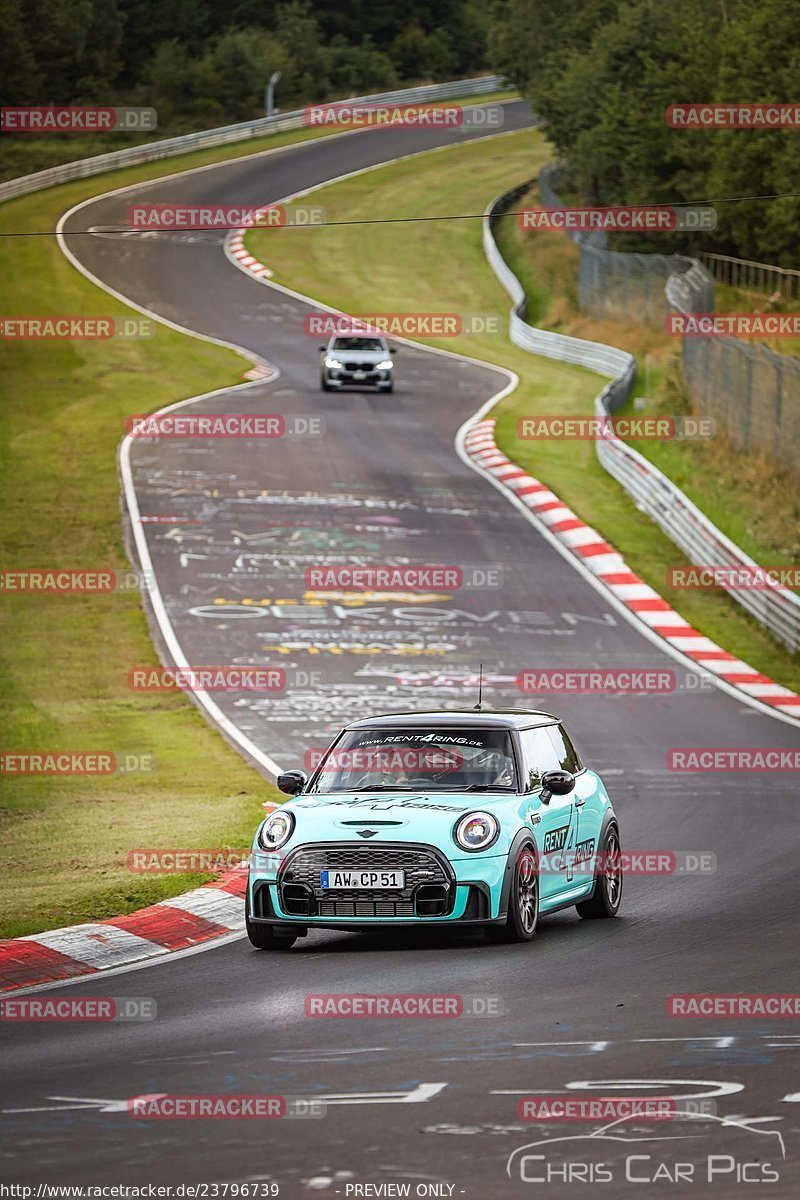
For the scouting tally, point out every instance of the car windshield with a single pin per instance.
(438, 759)
(357, 343)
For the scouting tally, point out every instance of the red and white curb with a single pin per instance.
(611, 570)
(212, 911)
(237, 249)
(262, 370)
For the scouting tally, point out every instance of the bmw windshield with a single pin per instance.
(438, 759)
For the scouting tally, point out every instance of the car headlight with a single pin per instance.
(386, 365)
(476, 831)
(333, 364)
(276, 830)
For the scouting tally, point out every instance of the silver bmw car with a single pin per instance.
(360, 360)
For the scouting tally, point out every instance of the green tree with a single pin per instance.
(20, 79)
(297, 31)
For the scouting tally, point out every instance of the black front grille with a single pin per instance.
(366, 908)
(357, 366)
(424, 869)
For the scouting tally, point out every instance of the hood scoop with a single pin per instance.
(364, 822)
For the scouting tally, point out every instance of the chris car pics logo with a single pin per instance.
(693, 1149)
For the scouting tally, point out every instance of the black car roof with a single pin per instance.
(488, 718)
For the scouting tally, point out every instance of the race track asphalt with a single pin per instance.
(585, 1003)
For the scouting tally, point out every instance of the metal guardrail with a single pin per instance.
(753, 276)
(153, 151)
(617, 364)
(777, 609)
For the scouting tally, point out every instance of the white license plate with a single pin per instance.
(351, 879)
(359, 374)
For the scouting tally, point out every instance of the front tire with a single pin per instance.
(607, 895)
(323, 383)
(264, 937)
(523, 902)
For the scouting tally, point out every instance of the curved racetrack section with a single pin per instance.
(586, 1003)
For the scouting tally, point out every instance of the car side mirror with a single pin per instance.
(292, 782)
(323, 348)
(554, 783)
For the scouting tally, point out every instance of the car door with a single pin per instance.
(580, 866)
(554, 824)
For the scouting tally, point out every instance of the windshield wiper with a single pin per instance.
(483, 787)
(383, 787)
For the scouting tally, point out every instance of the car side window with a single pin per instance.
(539, 755)
(565, 751)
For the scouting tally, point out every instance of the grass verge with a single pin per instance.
(441, 268)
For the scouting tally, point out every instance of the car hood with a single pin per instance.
(370, 356)
(370, 818)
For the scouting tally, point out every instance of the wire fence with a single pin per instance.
(750, 276)
(751, 392)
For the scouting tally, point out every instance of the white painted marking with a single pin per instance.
(594, 1047)
(87, 1103)
(418, 1095)
(719, 1043)
(585, 536)
(159, 960)
(212, 904)
(633, 591)
(97, 945)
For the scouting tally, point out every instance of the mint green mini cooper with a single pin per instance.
(486, 818)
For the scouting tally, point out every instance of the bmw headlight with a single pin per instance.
(276, 830)
(333, 364)
(476, 831)
(386, 365)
